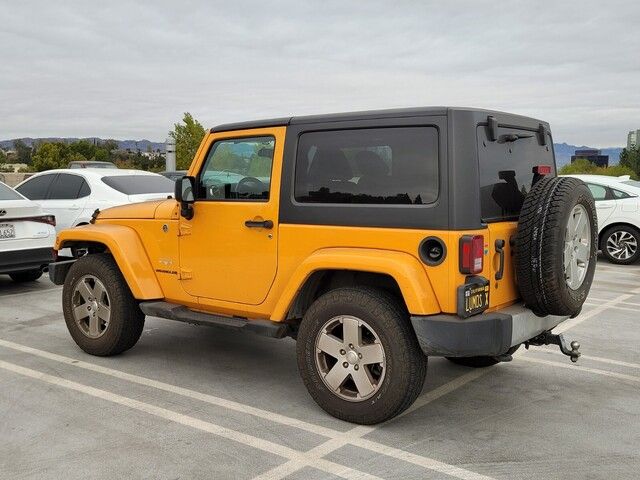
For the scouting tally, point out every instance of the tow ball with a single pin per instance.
(548, 338)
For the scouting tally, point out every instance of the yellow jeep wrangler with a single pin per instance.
(375, 239)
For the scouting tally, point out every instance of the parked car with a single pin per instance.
(74, 195)
(618, 206)
(26, 236)
(375, 239)
(91, 164)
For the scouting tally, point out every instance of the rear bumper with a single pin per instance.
(487, 334)
(22, 260)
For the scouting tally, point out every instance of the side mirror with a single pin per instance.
(185, 186)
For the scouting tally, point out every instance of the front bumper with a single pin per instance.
(23, 260)
(487, 334)
(58, 271)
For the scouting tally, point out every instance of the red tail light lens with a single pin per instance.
(542, 169)
(471, 254)
(48, 219)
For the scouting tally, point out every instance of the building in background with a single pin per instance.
(593, 155)
(632, 139)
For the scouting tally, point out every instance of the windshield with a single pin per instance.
(506, 170)
(8, 193)
(139, 184)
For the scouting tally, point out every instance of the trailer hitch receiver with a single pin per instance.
(548, 338)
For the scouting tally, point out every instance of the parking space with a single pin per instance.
(195, 402)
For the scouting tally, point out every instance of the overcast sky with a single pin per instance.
(129, 69)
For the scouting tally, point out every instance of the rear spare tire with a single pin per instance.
(556, 246)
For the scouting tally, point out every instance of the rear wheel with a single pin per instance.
(620, 245)
(27, 276)
(100, 312)
(358, 356)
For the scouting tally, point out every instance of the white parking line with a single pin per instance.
(610, 361)
(22, 294)
(597, 371)
(614, 307)
(592, 299)
(354, 437)
(185, 392)
(572, 322)
(243, 438)
(337, 440)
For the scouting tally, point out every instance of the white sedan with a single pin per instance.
(72, 195)
(618, 209)
(26, 236)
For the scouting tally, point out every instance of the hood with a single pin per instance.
(143, 210)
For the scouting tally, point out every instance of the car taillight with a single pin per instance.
(542, 169)
(471, 254)
(48, 219)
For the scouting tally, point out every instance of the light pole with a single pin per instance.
(170, 155)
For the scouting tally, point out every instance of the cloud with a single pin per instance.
(129, 70)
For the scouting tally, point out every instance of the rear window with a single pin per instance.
(7, 193)
(506, 170)
(368, 166)
(633, 183)
(139, 184)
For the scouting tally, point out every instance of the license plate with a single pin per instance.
(7, 230)
(473, 297)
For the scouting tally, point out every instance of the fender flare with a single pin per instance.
(405, 269)
(134, 264)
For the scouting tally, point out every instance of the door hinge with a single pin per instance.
(186, 274)
(185, 229)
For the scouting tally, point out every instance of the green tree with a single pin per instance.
(631, 158)
(3, 156)
(50, 155)
(23, 152)
(187, 136)
(584, 166)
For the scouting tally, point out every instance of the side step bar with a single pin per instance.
(172, 311)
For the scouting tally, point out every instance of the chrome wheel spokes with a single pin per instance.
(577, 247)
(350, 358)
(622, 245)
(91, 306)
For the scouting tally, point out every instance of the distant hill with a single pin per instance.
(563, 150)
(133, 145)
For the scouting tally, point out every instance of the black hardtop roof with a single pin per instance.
(361, 115)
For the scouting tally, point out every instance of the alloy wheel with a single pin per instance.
(350, 358)
(577, 247)
(91, 306)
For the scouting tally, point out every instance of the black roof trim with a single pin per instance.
(350, 116)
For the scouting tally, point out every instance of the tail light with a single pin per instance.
(471, 254)
(542, 169)
(48, 219)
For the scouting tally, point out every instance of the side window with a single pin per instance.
(598, 191)
(85, 189)
(237, 169)
(36, 187)
(618, 195)
(396, 165)
(65, 187)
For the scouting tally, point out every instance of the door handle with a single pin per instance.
(500, 251)
(268, 224)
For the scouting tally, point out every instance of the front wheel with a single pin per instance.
(358, 356)
(620, 245)
(101, 314)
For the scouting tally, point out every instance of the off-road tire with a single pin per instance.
(621, 228)
(406, 365)
(26, 276)
(126, 319)
(540, 242)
